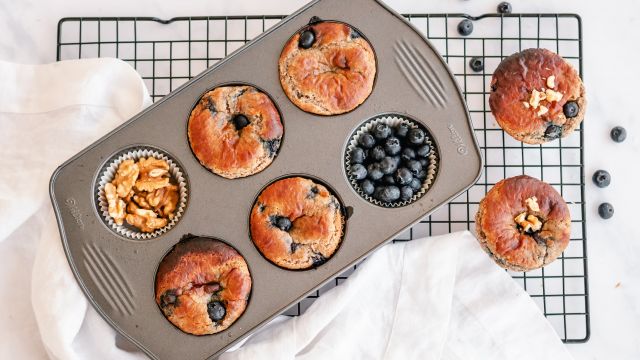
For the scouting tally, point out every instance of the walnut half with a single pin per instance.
(529, 223)
(145, 220)
(116, 205)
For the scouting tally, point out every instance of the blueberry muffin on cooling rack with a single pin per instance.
(235, 131)
(202, 286)
(327, 68)
(296, 223)
(537, 96)
(523, 223)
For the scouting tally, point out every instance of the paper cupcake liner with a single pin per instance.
(108, 174)
(392, 121)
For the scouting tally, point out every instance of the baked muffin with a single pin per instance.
(327, 68)
(235, 131)
(202, 285)
(536, 96)
(523, 223)
(297, 223)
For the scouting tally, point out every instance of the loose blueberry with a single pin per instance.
(387, 193)
(240, 121)
(307, 38)
(216, 311)
(618, 134)
(605, 210)
(570, 109)
(374, 172)
(367, 141)
(408, 154)
(465, 27)
(358, 155)
(355, 34)
(388, 165)
(424, 150)
(377, 153)
(358, 171)
(367, 186)
(406, 193)
(553, 132)
(414, 166)
(403, 176)
(389, 180)
(381, 131)
(392, 146)
(402, 130)
(416, 136)
(601, 178)
(476, 64)
(416, 184)
(283, 223)
(504, 8)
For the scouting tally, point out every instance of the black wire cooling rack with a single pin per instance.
(167, 53)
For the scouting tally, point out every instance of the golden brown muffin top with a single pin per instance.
(334, 75)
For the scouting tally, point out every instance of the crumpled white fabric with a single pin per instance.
(47, 114)
(435, 298)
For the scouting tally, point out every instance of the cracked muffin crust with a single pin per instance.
(327, 68)
(523, 223)
(202, 285)
(235, 131)
(537, 96)
(297, 223)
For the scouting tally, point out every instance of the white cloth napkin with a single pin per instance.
(47, 114)
(436, 298)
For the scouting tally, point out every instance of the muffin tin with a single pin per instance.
(117, 274)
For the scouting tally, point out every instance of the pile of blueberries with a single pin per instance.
(390, 162)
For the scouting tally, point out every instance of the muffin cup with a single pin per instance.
(107, 175)
(392, 121)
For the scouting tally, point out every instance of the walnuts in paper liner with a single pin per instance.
(142, 194)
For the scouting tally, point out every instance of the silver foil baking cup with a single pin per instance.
(392, 121)
(108, 174)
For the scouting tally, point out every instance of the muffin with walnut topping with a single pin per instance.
(537, 96)
(523, 223)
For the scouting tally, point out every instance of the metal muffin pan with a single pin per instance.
(117, 274)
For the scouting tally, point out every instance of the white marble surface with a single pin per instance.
(611, 53)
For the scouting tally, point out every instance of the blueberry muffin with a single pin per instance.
(235, 131)
(523, 223)
(537, 96)
(297, 223)
(202, 286)
(327, 68)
